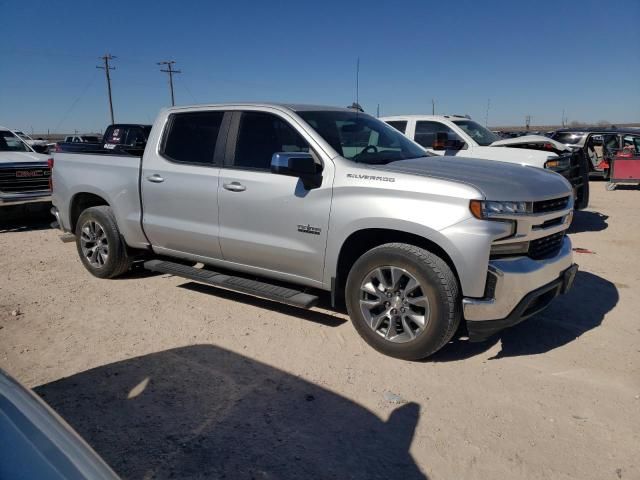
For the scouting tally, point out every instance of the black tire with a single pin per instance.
(440, 287)
(118, 260)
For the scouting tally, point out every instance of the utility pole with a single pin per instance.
(378, 111)
(433, 107)
(170, 71)
(106, 68)
(564, 120)
(486, 118)
(528, 121)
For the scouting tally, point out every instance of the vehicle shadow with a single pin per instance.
(311, 315)
(585, 221)
(202, 411)
(582, 309)
(25, 218)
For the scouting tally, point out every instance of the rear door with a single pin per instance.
(267, 220)
(180, 184)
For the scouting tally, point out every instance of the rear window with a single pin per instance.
(192, 137)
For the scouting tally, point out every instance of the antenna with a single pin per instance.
(486, 118)
(358, 83)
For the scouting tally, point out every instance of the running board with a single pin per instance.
(237, 284)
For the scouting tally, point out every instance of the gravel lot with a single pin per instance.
(165, 378)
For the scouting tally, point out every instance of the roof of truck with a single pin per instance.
(296, 107)
(424, 117)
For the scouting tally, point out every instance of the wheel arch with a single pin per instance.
(363, 240)
(80, 202)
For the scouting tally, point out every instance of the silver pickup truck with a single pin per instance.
(278, 201)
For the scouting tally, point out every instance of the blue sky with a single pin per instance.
(530, 58)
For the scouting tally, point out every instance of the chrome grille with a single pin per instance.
(546, 246)
(24, 178)
(552, 205)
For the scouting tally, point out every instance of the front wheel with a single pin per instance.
(403, 300)
(100, 246)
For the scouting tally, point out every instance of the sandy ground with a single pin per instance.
(165, 378)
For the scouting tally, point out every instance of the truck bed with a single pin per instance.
(112, 177)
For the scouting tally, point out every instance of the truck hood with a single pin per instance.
(530, 139)
(19, 157)
(495, 180)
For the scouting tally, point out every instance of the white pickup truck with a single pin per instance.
(455, 135)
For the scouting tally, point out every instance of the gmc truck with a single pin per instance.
(24, 173)
(461, 136)
(280, 201)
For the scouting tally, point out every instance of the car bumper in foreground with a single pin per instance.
(518, 288)
(26, 197)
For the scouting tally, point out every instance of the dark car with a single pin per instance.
(600, 145)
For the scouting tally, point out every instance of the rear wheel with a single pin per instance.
(100, 246)
(403, 300)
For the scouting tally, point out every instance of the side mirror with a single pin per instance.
(440, 142)
(443, 142)
(297, 164)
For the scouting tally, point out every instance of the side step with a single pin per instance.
(237, 284)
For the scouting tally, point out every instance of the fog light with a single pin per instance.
(509, 248)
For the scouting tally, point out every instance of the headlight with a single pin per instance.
(557, 163)
(484, 209)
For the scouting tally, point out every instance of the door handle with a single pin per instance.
(234, 187)
(155, 178)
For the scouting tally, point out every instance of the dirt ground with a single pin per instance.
(165, 378)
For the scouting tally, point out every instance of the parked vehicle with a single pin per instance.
(599, 145)
(37, 444)
(39, 145)
(81, 139)
(24, 174)
(461, 136)
(330, 199)
(119, 137)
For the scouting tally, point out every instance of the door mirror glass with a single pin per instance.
(297, 164)
(443, 141)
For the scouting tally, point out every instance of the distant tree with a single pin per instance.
(576, 123)
(603, 123)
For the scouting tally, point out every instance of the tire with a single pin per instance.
(396, 335)
(96, 229)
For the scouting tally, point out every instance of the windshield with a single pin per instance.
(362, 138)
(568, 138)
(481, 135)
(11, 143)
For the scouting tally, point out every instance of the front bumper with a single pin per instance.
(518, 288)
(22, 198)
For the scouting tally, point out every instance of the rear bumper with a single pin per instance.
(518, 288)
(27, 197)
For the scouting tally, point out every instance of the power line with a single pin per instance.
(106, 68)
(74, 103)
(170, 71)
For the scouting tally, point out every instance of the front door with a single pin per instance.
(267, 220)
(180, 185)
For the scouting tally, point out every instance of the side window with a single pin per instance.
(400, 125)
(260, 136)
(135, 136)
(192, 137)
(426, 132)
